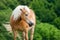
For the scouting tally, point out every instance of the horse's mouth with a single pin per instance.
(31, 24)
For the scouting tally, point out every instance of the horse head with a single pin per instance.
(25, 16)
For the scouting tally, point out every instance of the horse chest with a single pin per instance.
(22, 25)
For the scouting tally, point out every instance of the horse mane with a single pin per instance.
(17, 12)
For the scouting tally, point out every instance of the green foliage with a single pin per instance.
(44, 10)
(8, 4)
(4, 34)
(45, 31)
(25, 2)
(2, 6)
(56, 22)
(57, 7)
(37, 36)
(5, 15)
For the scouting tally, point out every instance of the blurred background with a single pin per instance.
(47, 15)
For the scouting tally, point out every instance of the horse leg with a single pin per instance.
(31, 33)
(15, 34)
(26, 35)
(23, 36)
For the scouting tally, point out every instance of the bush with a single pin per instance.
(4, 34)
(46, 31)
(56, 22)
(5, 15)
(4, 4)
(57, 7)
(44, 10)
(37, 36)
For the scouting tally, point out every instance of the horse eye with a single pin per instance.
(26, 14)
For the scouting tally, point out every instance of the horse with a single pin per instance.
(23, 19)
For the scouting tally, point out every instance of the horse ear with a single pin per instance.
(22, 10)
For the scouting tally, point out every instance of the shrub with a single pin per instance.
(44, 10)
(4, 34)
(46, 31)
(56, 22)
(5, 15)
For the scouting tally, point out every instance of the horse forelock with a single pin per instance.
(27, 9)
(17, 12)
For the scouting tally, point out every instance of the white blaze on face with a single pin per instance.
(17, 12)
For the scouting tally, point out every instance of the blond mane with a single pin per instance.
(17, 12)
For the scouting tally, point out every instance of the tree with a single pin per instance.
(44, 10)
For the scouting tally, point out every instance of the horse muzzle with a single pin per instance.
(31, 24)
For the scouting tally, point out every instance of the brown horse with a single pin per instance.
(23, 19)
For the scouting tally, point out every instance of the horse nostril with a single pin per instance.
(30, 24)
